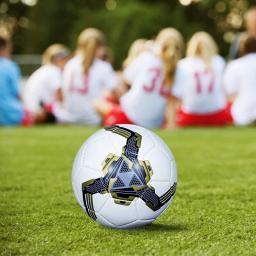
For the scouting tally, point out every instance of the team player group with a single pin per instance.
(157, 87)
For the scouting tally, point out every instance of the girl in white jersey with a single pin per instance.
(43, 86)
(150, 77)
(86, 77)
(136, 48)
(198, 84)
(240, 84)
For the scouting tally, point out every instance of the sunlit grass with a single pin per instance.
(213, 212)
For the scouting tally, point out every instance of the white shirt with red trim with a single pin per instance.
(240, 81)
(41, 87)
(199, 86)
(81, 90)
(145, 102)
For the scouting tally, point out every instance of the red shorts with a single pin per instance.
(219, 118)
(116, 116)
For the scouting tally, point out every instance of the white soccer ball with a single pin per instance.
(124, 176)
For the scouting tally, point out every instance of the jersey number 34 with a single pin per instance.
(156, 74)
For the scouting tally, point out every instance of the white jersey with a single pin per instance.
(198, 86)
(145, 102)
(41, 87)
(81, 90)
(240, 80)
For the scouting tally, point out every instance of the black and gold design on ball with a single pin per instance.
(126, 177)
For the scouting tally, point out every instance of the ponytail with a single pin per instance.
(170, 56)
(88, 42)
(171, 49)
(89, 51)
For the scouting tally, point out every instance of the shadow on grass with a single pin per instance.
(155, 228)
(165, 227)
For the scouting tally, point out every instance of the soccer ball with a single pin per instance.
(124, 176)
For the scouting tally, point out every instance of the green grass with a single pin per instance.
(213, 213)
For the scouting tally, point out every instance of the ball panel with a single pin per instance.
(161, 165)
(81, 175)
(160, 144)
(160, 186)
(146, 142)
(99, 200)
(143, 211)
(99, 134)
(117, 142)
(96, 150)
(118, 214)
(173, 177)
(100, 219)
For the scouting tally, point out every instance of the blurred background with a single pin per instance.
(35, 24)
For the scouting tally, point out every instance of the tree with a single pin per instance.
(122, 21)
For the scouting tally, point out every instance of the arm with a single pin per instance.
(234, 48)
(174, 100)
(126, 78)
(232, 97)
(173, 104)
(104, 106)
(121, 88)
(15, 77)
(59, 95)
(231, 80)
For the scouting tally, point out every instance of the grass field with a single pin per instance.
(213, 213)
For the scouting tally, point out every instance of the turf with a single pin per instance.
(213, 212)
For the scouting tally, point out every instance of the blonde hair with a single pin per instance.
(202, 45)
(171, 49)
(88, 42)
(54, 51)
(135, 49)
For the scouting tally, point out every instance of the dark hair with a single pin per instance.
(4, 42)
(248, 45)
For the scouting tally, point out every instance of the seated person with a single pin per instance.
(136, 48)
(11, 109)
(43, 86)
(198, 85)
(240, 84)
(149, 78)
(86, 78)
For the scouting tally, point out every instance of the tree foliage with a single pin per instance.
(122, 21)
